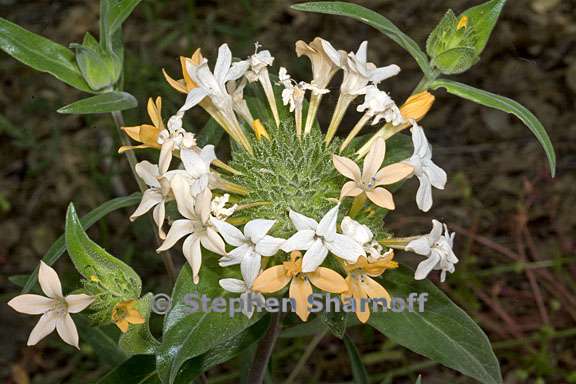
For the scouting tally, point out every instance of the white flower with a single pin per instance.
(379, 105)
(293, 94)
(429, 174)
(197, 166)
(437, 247)
(218, 207)
(319, 238)
(174, 137)
(250, 245)
(363, 236)
(250, 299)
(195, 225)
(323, 66)
(357, 70)
(155, 196)
(239, 103)
(55, 308)
(258, 62)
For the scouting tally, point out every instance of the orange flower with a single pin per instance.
(275, 278)
(185, 84)
(361, 286)
(417, 106)
(124, 314)
(146, 134)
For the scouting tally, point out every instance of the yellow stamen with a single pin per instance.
(94, 278)
(463, 23)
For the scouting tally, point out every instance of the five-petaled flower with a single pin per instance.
(55, 308)
(275, 278)
(437, 248)
(368, 181)
(320, 238)
(250, 245)
(125, 313)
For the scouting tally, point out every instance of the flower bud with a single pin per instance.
(417, 106)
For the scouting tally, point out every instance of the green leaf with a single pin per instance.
(482, 18)
(139, 369)
(336, 322)
(440, 36)
(222, 352)
(212, 133)
(103, 103)
(455, 60)
(117, 12)
(99, 67)
(373, 19)
(138, 339)
(189, 333)
(104, 346)
(358, 369)
(442, 331)
(504, 104)
(92, 260)
(59, 246)
(41, 54)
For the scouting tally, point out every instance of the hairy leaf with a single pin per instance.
(103, 103)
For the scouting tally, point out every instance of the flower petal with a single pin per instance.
(381, 197)
(159, 215)
(374, 158)
(230, 233)
(49, 281)
(148, 172)
(375, 291)
(345, 248)
(426, 266)
(346, 167)
(328, 280)
(178, 230)
(31, 304)
(314, 256)
(436, 175)
(67, 330)
(235, 256)
(300, 289)
(77, 303)
(193, 254)
(257, 229)
(420, 246)
(299, 241)
(351, 189)
(232, 285)
(165, 156)
(327, 226)
(271, 280)
(393, 173)
(184, 199)
(250, 267)
(213, 242)
(43, 328)
(223, 63)
(424, 194)
(302, 222)
(194, 97)
(150, 198)
(268, 245)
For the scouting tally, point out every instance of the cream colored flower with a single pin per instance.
(218, 207)
(258, 71)
(368, 181)
(173, 138)
(275, 278)
(55, 308)
(196, 225)
(146, 134)
(323, 69)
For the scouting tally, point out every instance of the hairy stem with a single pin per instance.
(166, 257)
(264, 350)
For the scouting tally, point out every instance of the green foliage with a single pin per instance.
(373, 19)
(442, 332)
(41, 54)
(95, 215)
(455, 60)
(138, 369)
(103, 103)
(188, 334)
(358, 369)
(482, 18)
(108, 279)
(100, 68)
(112, 14)
(138, 339)
(104, 346)
(504, 104)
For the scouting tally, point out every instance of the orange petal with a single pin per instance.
(271, 280)
(178, 85)
(300, 290)
(417, 106)
(187, 79)
(125, 148)
(350, 188)
(393, 173)
(375, 291)
(133, 132)
(328, 280)
(381, 197)
(346, 167)
(123, 325)
(362, 312)
(155, 111)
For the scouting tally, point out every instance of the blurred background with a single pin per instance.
(515, 224)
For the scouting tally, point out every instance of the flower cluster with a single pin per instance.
(291, 207)
(274, 239)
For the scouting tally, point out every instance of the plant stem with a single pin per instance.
(166, 257)
(300, 364)
(264, 350)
